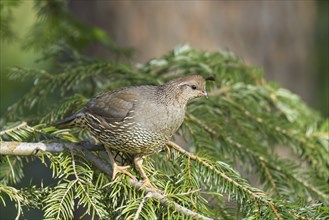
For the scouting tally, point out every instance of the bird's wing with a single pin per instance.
(113, 106)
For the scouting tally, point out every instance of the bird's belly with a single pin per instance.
(135, 137)
(134, 140)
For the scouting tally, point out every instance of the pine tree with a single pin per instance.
(233, 135)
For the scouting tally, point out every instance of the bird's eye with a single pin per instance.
(193, 87)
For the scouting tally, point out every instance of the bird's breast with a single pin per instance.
(161, 119)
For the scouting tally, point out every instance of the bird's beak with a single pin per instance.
(204, 93)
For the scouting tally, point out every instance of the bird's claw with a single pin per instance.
(148, 184)
(121, 169)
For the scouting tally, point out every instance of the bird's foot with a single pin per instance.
(146, 181)
(168, 152)
(148, 184)
(121, 169)
(118, 169)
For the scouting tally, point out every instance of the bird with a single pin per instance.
(138, 120)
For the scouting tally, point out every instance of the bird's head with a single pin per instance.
(187, 88)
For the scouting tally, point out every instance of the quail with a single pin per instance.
(138, 120)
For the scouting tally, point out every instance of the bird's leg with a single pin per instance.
(138, 160)
(118, 169)
(168, 151)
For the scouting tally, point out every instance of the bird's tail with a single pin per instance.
(68, 121)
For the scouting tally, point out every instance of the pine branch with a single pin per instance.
(107, 168)
(14, 195)
(141, 206)
(244, 120)
(36, 149)
(79, 181)
(21, 125)
(262, 158)
(11, 169)
(31, 149)
(257, 196)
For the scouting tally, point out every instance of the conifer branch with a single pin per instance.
(23, 148)
(14, 195)
(259, 196)
(79, 181)
(17, 148)
(268, 174)
(265, 164)
(23, 124)
(201, 124)
(244, 119)
(67, 190)
(36, 149)
(107, 168)
(141, 206)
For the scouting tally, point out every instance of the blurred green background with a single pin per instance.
(14, 55)
(289, 39)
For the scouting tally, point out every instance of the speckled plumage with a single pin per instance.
(140, 119)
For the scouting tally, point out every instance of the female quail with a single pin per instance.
(138, 120)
